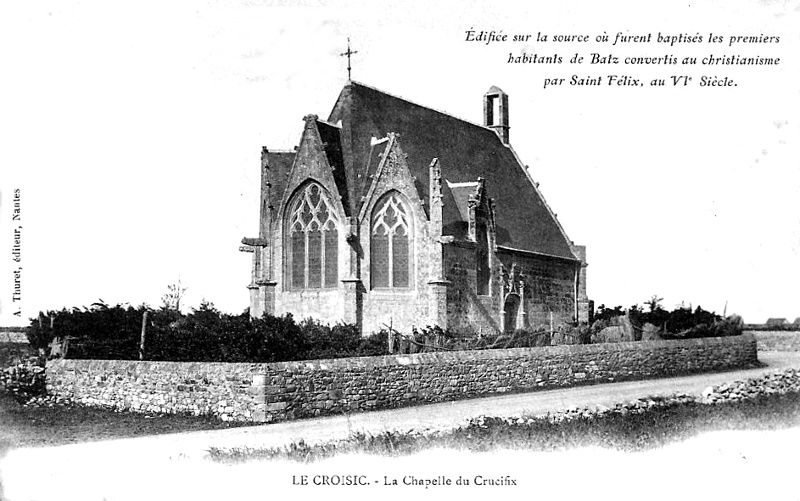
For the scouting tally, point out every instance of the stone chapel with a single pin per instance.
(392, 213)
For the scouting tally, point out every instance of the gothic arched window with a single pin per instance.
(391, 243)
(313, 240)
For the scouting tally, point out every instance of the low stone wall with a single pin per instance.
(218, 389)
(782, 382)
(290, 390)
(777, 340)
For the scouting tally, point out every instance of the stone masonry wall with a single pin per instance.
(467, 312)
(325, 305)
(777, 340)
(291, 390)
(199, 388)
(550, 288)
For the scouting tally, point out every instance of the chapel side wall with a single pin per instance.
(549, 287)
(467, 312)
(293, 390)
(324, 305)
(403, 309)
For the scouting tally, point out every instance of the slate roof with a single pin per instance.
(280, 165)
(461, 193)
(455, 210)
(466, 151)
(331, 139)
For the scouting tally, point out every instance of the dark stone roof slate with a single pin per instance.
(377, 149)
(461, 193)
(280, 165)
(332, 145)
(466, 151)
(455, 215)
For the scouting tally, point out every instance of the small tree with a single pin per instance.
(654, 303)
(206, 315)
(172, 299)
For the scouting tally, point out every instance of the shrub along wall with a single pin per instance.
(777, 340)
(289, 390)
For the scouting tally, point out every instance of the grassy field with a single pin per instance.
(22, 426)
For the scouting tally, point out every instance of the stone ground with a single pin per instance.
(175, 466)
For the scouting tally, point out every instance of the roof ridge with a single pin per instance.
(354, 82)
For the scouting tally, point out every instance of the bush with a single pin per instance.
(566, 334)
(207, 335)
(605, 313)
(97, 332)
(731, 326)
(680, 323)
(279, 339)
(375, 344)
(25, 380)
(341, 340)
(215, 337)
(204, 335)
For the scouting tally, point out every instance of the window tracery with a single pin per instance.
(391, 240)
(312, 255)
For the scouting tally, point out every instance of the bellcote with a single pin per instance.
(495, 112)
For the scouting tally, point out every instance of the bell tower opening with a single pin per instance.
(495, 112)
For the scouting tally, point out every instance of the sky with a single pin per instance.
(133, 132)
